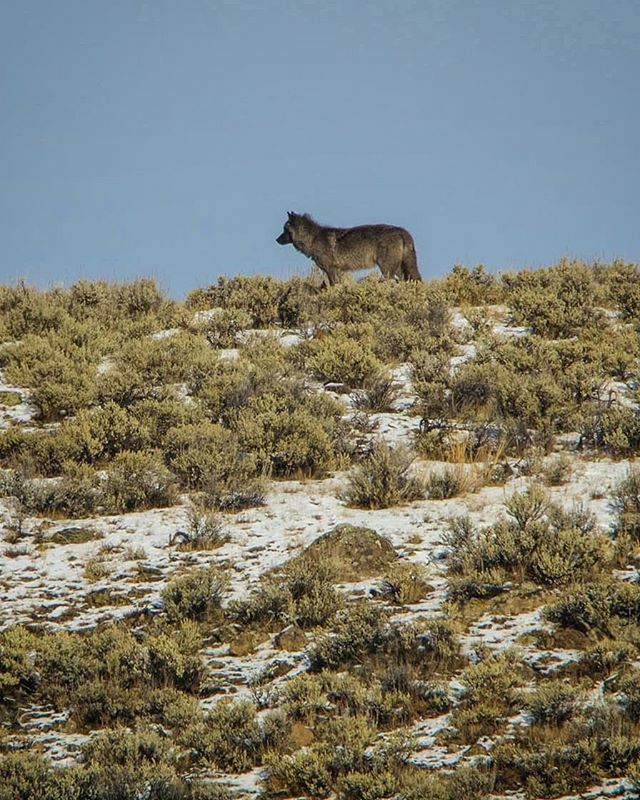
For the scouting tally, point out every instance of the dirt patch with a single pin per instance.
(292, 638)
(246, 642)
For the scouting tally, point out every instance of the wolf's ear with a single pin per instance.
(291, 214)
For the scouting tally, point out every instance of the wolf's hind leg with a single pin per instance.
(334, 276)
(390, 270)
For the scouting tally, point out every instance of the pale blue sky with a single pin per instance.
(169, 137)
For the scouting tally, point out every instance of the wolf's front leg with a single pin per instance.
(333, 275)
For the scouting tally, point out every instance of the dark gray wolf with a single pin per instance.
(337, 250)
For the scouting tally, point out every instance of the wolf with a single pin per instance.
(337, 250)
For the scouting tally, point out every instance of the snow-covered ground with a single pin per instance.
(47, 582)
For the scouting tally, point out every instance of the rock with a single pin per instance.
(280, 668)
(338, 388)
(355, 553)
(74, 536)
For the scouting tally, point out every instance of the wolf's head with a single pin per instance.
(286, 237)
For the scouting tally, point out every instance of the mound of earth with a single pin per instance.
(354, 552)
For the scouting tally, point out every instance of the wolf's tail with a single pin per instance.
(409, 266)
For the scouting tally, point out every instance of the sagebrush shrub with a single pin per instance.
(301, 593)
(342, 359)
(553, 702)
(613, 429)
(201, 453)
(233, 738)
(406, 582)
(558, 301)
(258, 295)
(107, 677)
(624, 287)
(629, 688)
(100, 433)
(360, 629)
(300, 774)
(197, 595)
(595, 606)
(136, 481)
(222, 327)
(474, 287)
(430, 377)
(625, 503)
(383, 479)
(539, 541)
(286, 440)
(378, 393)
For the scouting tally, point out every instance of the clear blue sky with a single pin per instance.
(169, 137)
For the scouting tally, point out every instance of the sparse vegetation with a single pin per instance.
(515, 647)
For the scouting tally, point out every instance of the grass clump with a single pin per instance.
(448, 481)
(557, 470)
(383, 479)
